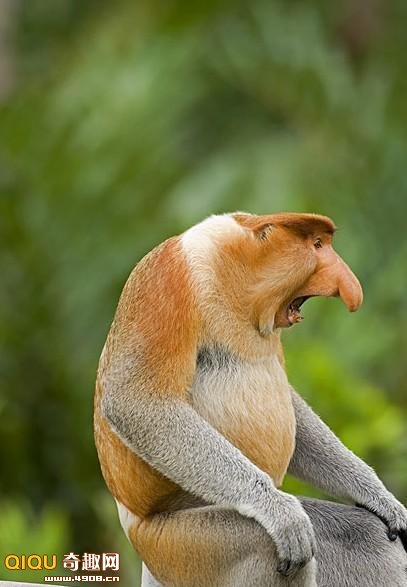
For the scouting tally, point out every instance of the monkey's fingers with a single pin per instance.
(290, 566)
(375, 513)
(392, 533)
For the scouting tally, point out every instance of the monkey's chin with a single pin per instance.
(290, 314)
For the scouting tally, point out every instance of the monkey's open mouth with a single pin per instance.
(294, 309)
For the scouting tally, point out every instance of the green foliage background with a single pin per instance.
(127, 123)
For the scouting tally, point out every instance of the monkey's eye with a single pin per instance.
(318, 244)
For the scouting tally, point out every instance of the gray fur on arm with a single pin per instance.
(321, 459)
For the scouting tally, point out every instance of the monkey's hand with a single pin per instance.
(386, 507)
(290, 528)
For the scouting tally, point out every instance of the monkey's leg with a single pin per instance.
(353, 550)
(209, 547)
(353, 547)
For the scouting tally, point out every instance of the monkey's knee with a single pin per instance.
(198, 547)
(211, 547)
(353, 548)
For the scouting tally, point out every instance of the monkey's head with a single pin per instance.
(276, 262)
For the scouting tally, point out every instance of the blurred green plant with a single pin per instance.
(24, 533)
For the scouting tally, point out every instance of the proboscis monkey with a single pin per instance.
(196, 423)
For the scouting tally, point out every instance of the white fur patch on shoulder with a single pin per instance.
(200, 245)
(126, 517)
(202, 237)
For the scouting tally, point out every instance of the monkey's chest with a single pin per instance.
(250, 404)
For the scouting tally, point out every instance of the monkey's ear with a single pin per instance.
(259, 225)
(263, 230)
(305, 225)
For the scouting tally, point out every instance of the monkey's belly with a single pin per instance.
(251, 406)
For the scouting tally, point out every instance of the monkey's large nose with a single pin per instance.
(334, 278)
(349, 287)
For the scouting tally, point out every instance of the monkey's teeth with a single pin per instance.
(294, 314)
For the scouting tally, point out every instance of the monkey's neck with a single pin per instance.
(239, 332)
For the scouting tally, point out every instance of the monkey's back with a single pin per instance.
(158, 292)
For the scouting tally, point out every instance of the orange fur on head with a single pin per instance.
(294, 261)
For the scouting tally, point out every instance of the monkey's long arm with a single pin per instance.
(321, 459)
(171, 436)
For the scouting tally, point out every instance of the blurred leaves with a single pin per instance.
(24, 533)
